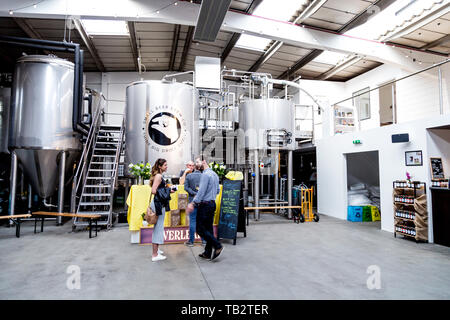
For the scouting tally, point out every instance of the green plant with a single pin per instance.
(219, 168)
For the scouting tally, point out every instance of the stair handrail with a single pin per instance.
(116, 165)
(81, 169)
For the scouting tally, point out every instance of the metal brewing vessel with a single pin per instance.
(41, 119)
(161, 123)
(267, 123)
(5, 97)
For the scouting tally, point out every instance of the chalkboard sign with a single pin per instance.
(437, 170)
(229, 209)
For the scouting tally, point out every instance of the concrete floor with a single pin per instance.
(277, 260)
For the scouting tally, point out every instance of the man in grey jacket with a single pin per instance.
(205, 201)
(191, 185)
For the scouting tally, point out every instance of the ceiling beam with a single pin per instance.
(89, 45)
(185, 13)
(437, 42)
(313, 7)
(230, 45)
(339, 67)
(176, 37)
(133, 43)
(289, 73)
(366, 15)
(435, 13)
(266, 56)
(187, 46)
(359, 19)
(27, 28)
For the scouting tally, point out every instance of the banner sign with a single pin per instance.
(171, 235)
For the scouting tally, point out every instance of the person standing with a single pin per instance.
(183, 173)
(205, 201)
(159, 207)
(191, 186)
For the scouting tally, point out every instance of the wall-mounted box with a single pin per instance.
(207, 73)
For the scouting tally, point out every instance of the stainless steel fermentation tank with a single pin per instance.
(41, 131)
(161, 123)
(268, 125)
(5, 98)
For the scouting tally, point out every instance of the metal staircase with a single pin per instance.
(96, 176)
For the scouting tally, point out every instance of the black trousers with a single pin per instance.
(204, 226)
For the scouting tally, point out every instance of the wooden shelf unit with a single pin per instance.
(416, 228)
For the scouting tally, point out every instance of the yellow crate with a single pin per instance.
(376, 216)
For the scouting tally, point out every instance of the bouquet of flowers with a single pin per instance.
(219, 168)
(140, 170)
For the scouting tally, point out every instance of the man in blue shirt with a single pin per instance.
(205, 202)
(191, 186)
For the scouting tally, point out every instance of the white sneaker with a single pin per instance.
(158, 257)
(160, 251)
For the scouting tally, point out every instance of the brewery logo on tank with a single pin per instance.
(165, 128)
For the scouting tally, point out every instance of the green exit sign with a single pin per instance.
(356, 141)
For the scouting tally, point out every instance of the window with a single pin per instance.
(361, 102)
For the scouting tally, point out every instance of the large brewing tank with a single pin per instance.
(161, 123)
(5, 97)
(267, 123)
(41, 119)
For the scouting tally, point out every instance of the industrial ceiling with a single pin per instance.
(163, 46)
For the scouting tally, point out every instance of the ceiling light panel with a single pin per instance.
(105, 27)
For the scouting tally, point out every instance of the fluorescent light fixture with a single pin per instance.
(247, 41)
(329, 57)
(105, 27)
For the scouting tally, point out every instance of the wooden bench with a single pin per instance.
(43, 214)
(16, 219)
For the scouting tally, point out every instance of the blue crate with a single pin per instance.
(355, 214)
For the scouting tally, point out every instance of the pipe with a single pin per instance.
(78, 69)
(256, 184)
(48, 205)
(290, 182)
(30, 198)
(12, 185)
(62, 171)
(441, 101)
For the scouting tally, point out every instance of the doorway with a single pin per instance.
(387, 98)
(363, 181)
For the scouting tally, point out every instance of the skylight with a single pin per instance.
(252, 42)
(105, 27)
(329, 57)
(281, 10)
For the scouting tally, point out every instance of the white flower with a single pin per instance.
(222, 167)
(130, 165)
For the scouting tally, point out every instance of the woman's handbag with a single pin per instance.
(150, 216)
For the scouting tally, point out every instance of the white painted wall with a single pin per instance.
(331, 165)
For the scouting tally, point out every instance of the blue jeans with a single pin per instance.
(192, 225)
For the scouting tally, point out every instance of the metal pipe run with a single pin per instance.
(441, 101)
(290, 182)
(30, 198)
(256, 184)
(12, 185)
(62, 171)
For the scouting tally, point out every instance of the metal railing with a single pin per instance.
(116, 169)
(80, 174)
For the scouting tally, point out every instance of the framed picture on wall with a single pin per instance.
(413, 158)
